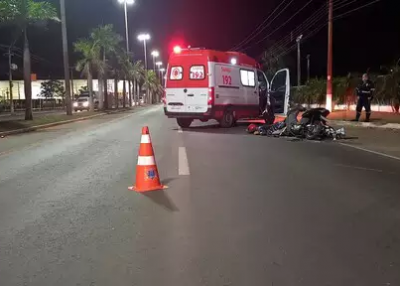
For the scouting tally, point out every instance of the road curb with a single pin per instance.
(395, 126)
(43, 126)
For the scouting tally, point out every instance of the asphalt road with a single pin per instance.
(239, 210)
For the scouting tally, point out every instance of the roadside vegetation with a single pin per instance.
(101, 56)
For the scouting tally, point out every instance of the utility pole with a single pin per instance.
(308, 67)
(330, 57)
(66, 59)
(298, 40)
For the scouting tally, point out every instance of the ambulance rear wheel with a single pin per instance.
(184, 122)
(228, 119)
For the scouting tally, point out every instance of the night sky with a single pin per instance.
(365, 39)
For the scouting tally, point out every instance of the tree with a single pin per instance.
(388, 86)
(20, 14)
(108, 40)
(126, 66)
(52, 88)
(137, 73)
(89, 63)
(152, 85)
(116, 73)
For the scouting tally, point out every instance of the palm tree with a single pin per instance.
(115, 71)
(21, 14)
(126, 66)
(152, 85)
(89, 63)
(137, 74)
(108, 40)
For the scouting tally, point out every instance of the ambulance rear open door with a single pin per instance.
(280, 91)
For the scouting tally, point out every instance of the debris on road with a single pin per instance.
(313, 125)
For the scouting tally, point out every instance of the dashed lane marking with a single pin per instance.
(183, 167)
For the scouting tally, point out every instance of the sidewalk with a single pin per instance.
(384, 120)
(376, 117)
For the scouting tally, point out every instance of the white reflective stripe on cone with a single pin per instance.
(146, 161)
(145, 138)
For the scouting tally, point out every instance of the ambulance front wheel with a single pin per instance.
(184, 122)
(228, 119)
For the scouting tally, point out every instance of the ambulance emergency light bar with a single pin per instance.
(178, 49)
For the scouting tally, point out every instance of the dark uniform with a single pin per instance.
(365, 94)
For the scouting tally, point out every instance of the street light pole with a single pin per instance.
(155, 55)
(298, 40)
(308, 67)
(158, 64)
(66, 59)
(126, 2)
(329, 91)
(126, 26)
(162, 70)
(145, 53)
(144, 38)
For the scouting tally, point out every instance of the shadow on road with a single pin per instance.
(214, 128)
(161, 198)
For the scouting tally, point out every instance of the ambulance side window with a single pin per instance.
(176, 73)
(279, 82)
(247, 78)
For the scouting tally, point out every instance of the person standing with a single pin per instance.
(365, 94)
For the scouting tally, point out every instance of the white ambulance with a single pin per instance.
(225, 86)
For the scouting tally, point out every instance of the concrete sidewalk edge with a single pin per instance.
(43, 126)
(366, 124)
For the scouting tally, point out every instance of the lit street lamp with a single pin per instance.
(126, 3)
(143, 38)
(162, 70)
(155, 55)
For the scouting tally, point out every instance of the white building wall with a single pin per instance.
(18, 87)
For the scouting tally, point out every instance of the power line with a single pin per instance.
(298, 11)
(313, 19)
(286, 51)
(309, 21)
(356, 9)
(259, 26)
(266, 26)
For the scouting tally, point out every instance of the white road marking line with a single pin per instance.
(180, 130)
(183, 164)
(358, 168)
(370, 151)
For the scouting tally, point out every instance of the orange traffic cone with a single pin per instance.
(147, 178)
